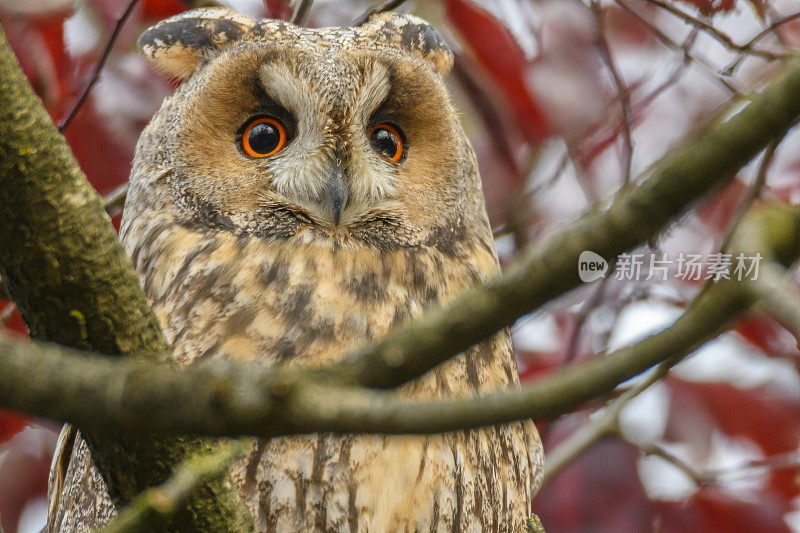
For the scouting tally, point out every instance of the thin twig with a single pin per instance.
(657, 450)
(781, 461)
(766, 31)
(670, 43)
(720, 36)
(639, 107)
(98, 68)
(300, 11)
(116, 198)
(623, 93)
(605, 423)
(753, 193)
(387, 5)
(589, 305)
(780, 295)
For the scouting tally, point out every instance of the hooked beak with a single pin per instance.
(337, 193)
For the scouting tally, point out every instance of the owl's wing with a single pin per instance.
(58, 471)
(77, 494)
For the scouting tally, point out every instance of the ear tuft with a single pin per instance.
(418, 37)
(176, 45)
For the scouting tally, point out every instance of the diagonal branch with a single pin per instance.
(65, 122)
(154, 507)
(549, 268)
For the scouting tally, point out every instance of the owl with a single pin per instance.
(303, 192)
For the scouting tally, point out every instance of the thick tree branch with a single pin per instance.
(229, 398)
(549, 269)
(63, 266)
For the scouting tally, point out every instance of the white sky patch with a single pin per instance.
(729, 358)
(644, 419)
(792, 518)
(640, 320)
(251, 8)
(34, 516)
(664, 481)
(81, 34)
(536, 332)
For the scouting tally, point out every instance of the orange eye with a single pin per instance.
(263, 137)
(386, 140)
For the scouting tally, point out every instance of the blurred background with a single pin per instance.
(565, 101)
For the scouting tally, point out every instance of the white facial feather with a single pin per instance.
(301, 171)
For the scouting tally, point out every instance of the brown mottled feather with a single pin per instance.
(241, 260)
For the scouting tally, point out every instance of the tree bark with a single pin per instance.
(64, 268)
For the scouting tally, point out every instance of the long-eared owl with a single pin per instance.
(303, 192)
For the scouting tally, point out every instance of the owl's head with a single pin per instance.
(279, 130)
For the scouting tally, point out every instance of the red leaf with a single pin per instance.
(768, 336)
(501, 56)
(10, 424)
(278, 9)
(711, 510)
(600, 491)
(711, 7)
(38, 43)
(161, 9)
(104, 160)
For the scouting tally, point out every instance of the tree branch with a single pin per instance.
(230, 398)
(63, 266)
(549, 268)
(152, 509)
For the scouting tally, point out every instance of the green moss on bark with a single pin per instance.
(62, 264)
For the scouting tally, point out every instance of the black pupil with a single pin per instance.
(384, 141)
(264, 138)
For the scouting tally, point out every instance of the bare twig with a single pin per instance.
(589, 305)
(98, 68)
(656, 450)
(783, 461)
(605, 423)
(623, 93)
(387, 5)
(780, 295)
(116, 198)
(300, 11)
(675, 76)
(766, 31)
(670, 43)
(753, 192)
(720, 36)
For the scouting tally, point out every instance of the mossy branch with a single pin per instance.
(154, 508)
(63, 266)
(230, 398)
